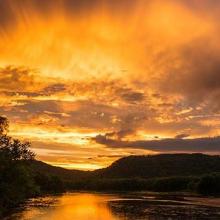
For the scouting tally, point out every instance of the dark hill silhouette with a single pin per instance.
(152, 166)
(162, 165)
(39, 167)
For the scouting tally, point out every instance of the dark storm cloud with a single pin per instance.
(211, 6)
(197, 78)
(34, 107)
(23, 81)
(47, 92)
(15, 78)
(100, 115)
(34, 112)
(27, 94)
(181, 136)
(13, 10)
(119, 134)
(202, 71)
(54, 88)
(9, 8)
(130, 96)
(80, 6)
(87, 114)
(6, 13)
(165, 145)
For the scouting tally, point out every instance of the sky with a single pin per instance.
(90, 81)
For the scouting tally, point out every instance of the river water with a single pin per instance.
(101, 206)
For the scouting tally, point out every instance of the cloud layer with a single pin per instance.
(119, 77)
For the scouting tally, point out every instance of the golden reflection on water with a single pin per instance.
(73, 207)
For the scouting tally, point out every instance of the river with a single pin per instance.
(128, 206)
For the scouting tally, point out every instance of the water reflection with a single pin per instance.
(93, 206)
(69, 207)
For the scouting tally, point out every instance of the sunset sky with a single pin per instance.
(90, 81)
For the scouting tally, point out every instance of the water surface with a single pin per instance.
(101, 206)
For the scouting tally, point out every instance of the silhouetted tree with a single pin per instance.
(16, 182)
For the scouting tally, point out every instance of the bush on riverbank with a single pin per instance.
(209, 185)
(168, 184)
(204, 185)
(49, 183)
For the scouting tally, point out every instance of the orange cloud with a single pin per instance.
(73, 70)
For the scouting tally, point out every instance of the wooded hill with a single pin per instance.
(152, 166)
